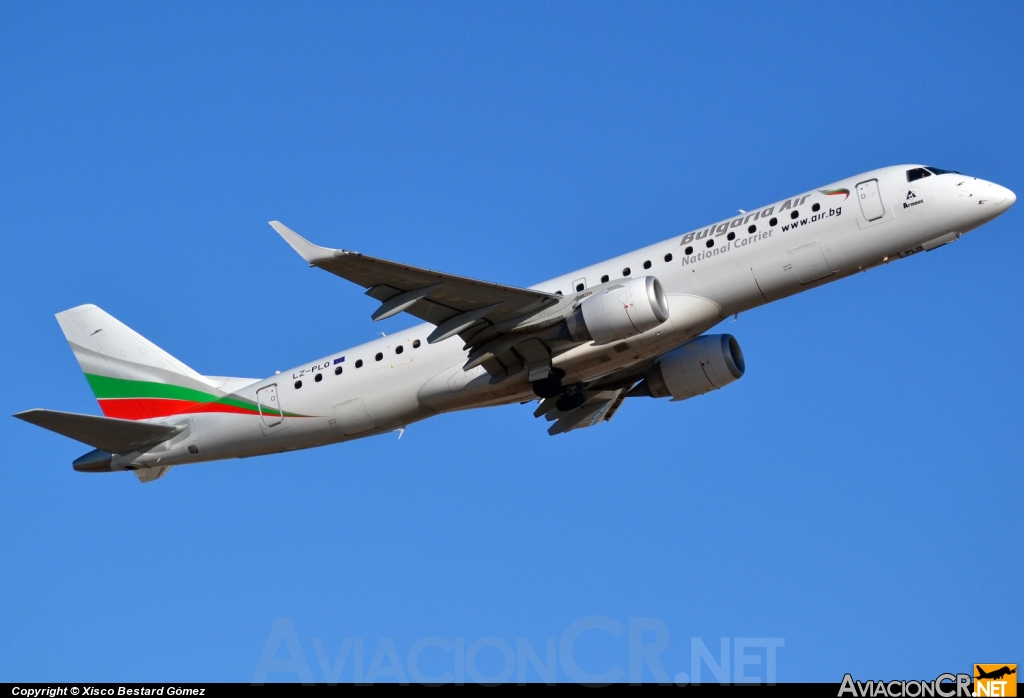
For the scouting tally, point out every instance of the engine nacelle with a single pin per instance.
(705, 364)
(622, 311)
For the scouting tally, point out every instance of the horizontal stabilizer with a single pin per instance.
(106, 433)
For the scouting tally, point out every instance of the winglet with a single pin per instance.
(307, 250)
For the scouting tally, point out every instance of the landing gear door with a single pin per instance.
(270, 406)
(870, 200)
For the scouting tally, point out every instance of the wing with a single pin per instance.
(105, 433)
(433, 296)
(494, 320)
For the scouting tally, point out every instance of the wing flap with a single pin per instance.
(600, 406)
(105, 433)
(149, 474)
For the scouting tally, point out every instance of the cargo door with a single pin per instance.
(870, 198)
(352, 417)
(809, 263)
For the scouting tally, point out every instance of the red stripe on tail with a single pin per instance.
(150, 408)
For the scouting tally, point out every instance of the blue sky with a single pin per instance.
(852, 495)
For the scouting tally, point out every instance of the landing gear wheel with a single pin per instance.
(547, 387)
(571, 401)
(550, 386)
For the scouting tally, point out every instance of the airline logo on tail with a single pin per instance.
(130, 399)
(132, 378)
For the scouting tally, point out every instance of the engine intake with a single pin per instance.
(622, 311)
(705, 364)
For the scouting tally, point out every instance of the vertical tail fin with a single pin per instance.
(131, 377)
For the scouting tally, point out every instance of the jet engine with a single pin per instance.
(620, 312)
(705, 364)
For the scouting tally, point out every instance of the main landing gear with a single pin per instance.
(550, 386)
(572, 396)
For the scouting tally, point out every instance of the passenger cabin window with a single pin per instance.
(399, 349)
(917, 173)
(337, 371)
(415, 344)
(359, 363)
(298, 384)
(625, 272)
(604, 279)
(379, 356)
(668, 257)
(579, 287)
(647, 264)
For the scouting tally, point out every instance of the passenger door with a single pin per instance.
(870, 198)
(270, 407)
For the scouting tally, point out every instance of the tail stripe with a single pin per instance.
(150, 408)
(128, 399)
(107, 387)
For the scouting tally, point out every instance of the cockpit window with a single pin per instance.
(936, 170)
(917, 173)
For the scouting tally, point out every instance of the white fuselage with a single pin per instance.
(708, 274)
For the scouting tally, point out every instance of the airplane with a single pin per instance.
(581, 344)
(996, 673)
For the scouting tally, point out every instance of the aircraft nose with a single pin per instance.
(997, 196)
(1009, 198)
